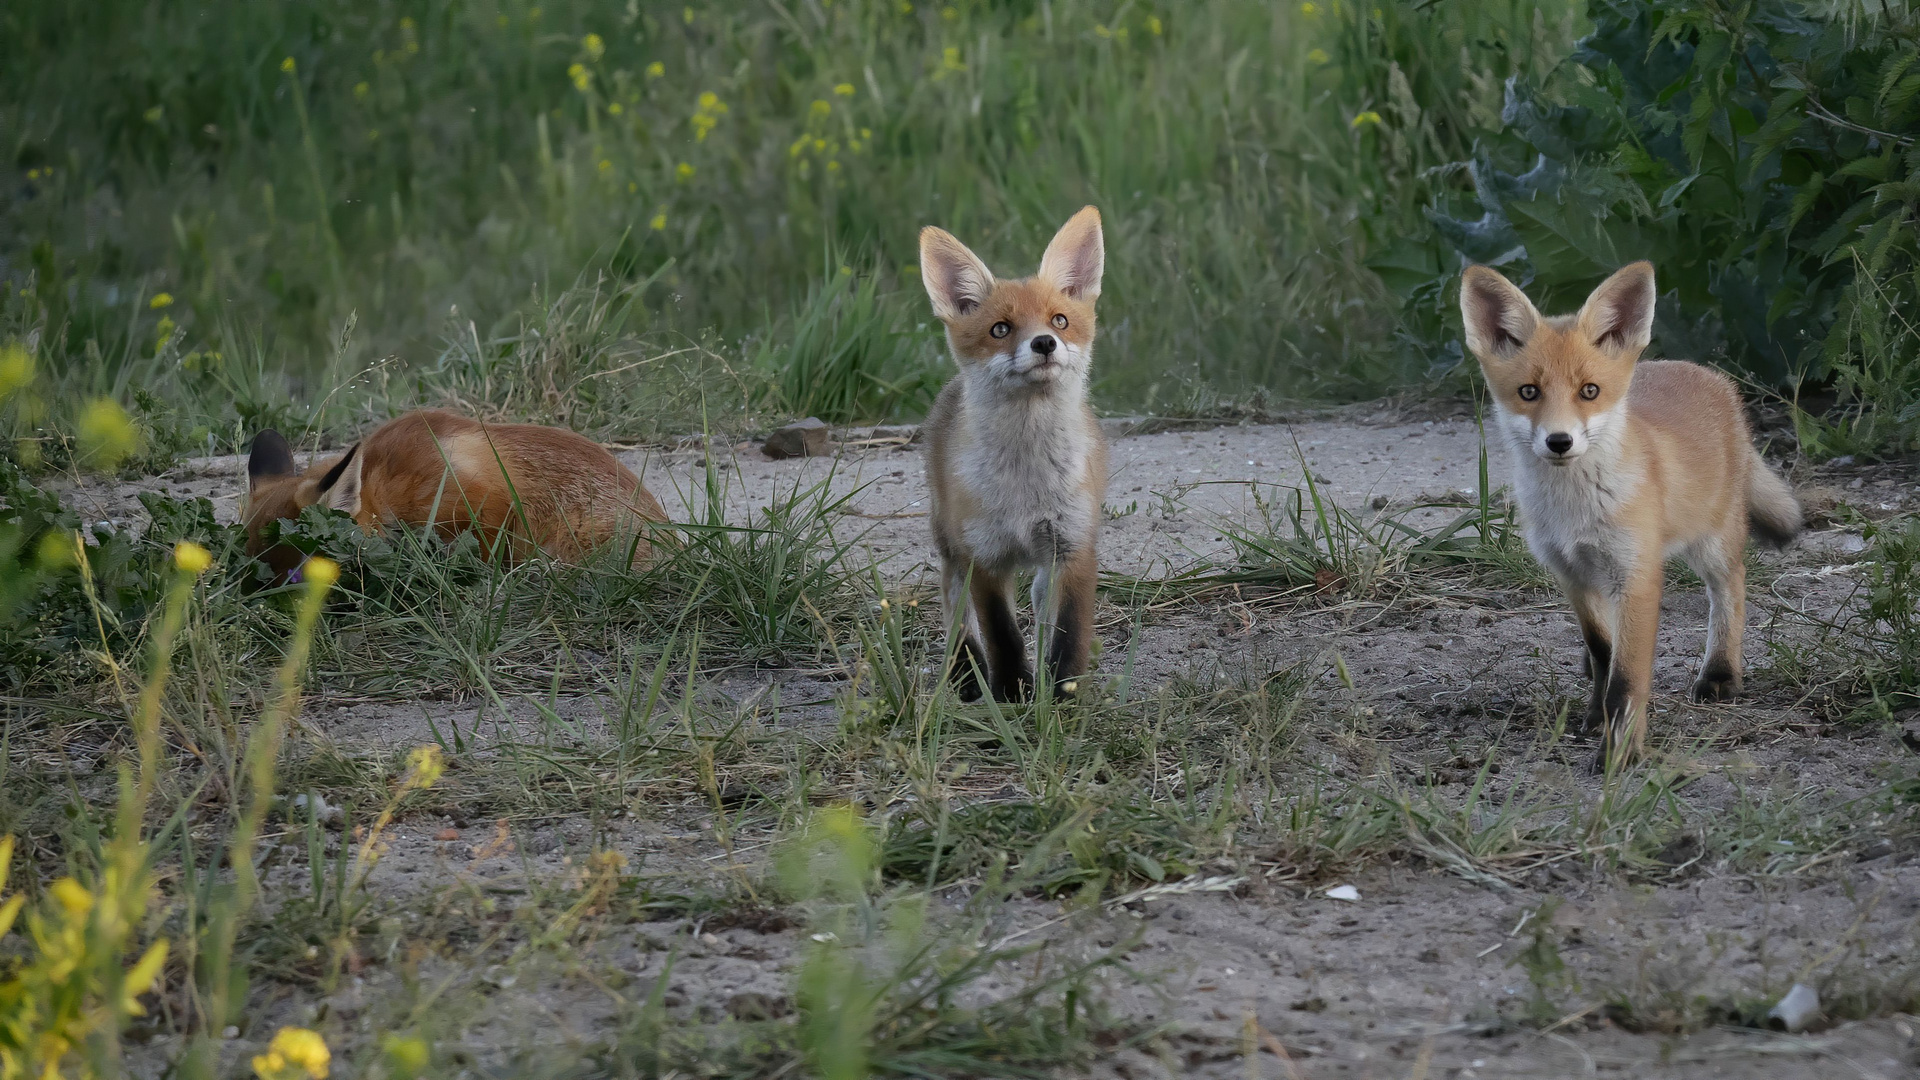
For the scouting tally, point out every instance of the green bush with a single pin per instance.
(1761, 154)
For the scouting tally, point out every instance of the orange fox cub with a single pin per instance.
(531, 486)
(1015, 459)
(1620, 464)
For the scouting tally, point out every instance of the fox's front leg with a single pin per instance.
(969, 658)
(1063, 596)
(1010, 676)
(1596, 618)
(1630, 682)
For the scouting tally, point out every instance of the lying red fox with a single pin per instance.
(533, 487)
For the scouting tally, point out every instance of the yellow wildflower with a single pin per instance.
(950, 13)
(580, 76)
(1101, 31)
(72, 896)
(1310, 9)
(56, 548)
(160, 300)
(844, 89)
(106, 434)
(407, 23)
(140, 978)
(950, 59)
(605, 165)
(361, 90)
(820, 108)
(595, 45)
(1317, 56)
(294, 1054)
(632, 187)
(905, 8)
(656, 69)
(684, 171)
(1365, 118)
(424, 766)
(154, 114)
(191, 557)
(1153, 25)
(659, 223)
(320, 571)
(833, 166)
(16, 368)
(686, 15)
(406, 1057)
(819, 144)
(616, 109)
(287, 65)
(710, 102)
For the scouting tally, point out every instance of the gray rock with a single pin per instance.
(1799, 1008)
(802, 438)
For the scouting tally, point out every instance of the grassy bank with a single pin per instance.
(252, 212)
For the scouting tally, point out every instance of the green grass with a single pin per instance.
(434, 204)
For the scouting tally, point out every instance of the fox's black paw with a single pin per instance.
(1717, 682)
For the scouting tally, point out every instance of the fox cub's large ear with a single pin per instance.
(1077, 256)
(957, 281)
(270, 457)
(1619, 314)
(339, 489)
(1498, 317)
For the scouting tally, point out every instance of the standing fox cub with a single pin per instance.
(533, 486)
(1620, 464)
(1015, 459)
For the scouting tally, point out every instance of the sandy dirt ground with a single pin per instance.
(1272, 977)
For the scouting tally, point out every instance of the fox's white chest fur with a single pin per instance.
(1025, 459)
(1571, 513)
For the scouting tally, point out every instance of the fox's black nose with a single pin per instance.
(1559, 442)
(1044, 344)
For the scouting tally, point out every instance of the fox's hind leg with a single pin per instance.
(1721, 563)
(1009, 674)
(969, 659)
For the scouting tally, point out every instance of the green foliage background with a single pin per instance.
(441, 177)
(628, 217)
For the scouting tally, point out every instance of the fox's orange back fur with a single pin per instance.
(521, 485)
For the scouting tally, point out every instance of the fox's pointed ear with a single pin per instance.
(1077, 256)
(270, 457)
(1619, 314)
(1498, 317)
(340, 487)
(957, 281)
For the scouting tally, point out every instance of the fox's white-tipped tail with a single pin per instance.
(1773, 512)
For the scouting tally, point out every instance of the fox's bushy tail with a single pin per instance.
(1773, 513)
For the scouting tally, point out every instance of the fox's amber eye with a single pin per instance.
(1529, 392)
(1001, 329)
(1590, 391)
(1059, 322)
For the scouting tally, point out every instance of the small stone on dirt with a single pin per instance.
(1799, 1008)
(802, 438)
(1343, 892)
(447, 834)
(756, 1006)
